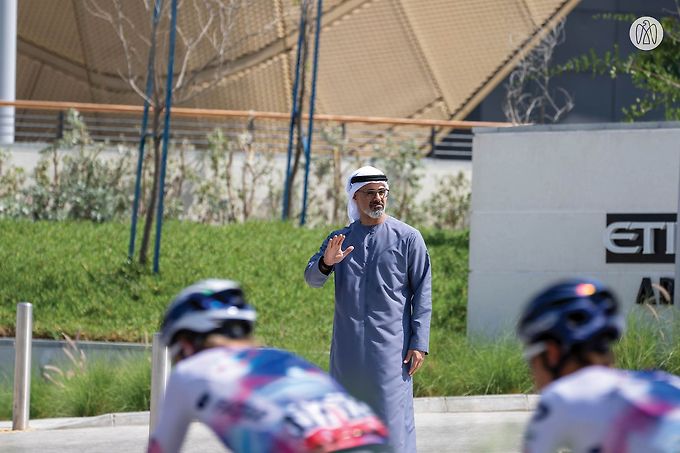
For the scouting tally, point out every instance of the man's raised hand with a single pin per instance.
(334, 253)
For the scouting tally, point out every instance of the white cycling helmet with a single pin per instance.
(208, 306)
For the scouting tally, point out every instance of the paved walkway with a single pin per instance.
(487, 424)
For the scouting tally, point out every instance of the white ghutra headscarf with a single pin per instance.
(357, 180)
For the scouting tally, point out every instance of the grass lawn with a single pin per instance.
(77, 277)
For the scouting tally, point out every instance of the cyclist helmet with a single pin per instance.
(208, 306)
(576, 312)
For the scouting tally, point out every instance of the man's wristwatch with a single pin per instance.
(323, 267)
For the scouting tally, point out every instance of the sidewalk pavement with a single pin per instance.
(429, 405)
(472, 424)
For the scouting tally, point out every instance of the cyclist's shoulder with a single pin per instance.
(203, 364)
(655, 376)
(589, 384)
(648, 389)
(278, 361)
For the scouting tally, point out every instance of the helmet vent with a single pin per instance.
(609, 306)
(578, 318)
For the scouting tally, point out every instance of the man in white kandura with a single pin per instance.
(383, 304)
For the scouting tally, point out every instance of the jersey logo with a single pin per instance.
(333, 423)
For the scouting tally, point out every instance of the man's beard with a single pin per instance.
(375, 212)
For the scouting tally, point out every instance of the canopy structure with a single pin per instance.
(433, 59)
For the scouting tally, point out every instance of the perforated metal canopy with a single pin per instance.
(397, 58)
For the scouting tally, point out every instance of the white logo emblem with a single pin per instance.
(646, 33)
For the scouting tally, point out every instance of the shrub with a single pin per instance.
(75, 180)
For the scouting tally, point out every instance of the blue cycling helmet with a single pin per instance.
(572, 313)
(208, 306)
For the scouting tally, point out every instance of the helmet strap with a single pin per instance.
(599, 347)
(577, 353)
(198, 342)
(555, 370)
(177, 349)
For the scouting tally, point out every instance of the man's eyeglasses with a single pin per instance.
(382, 193)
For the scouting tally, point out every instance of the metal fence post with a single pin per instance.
(60, 125)
(160, 370)
(22, 366)
(433, 140)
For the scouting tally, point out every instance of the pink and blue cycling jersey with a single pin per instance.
(605, 410)
(263, 400)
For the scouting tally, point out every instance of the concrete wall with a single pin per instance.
(540, 199)
(51, 352)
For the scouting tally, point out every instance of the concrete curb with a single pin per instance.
(484, 403)
(450, 404)
(99, 421)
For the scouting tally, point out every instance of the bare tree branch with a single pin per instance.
(206, 48)
(191, 45)
(217, 67)
(529, 96)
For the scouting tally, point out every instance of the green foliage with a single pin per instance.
(100, 387)
(449, 256)
(73, 181)
(650, 342)
(80, 387)
(77, 276)
(215, 201)
(449, 205)
(232, 181)
(402, 162)
(11, 181)
(222, 195)
(181, 174)
(656, 72)
(458, 366)
(78, 279)
(621, 17)
(79, 282)
(6, 398)
(327, 200)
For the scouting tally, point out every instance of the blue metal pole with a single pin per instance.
(145, 121)
(310, 128)
(294, 111)
(166, 134)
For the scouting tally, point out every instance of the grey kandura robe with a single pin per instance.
(383, 304)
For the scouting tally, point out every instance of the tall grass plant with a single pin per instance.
(101, 387)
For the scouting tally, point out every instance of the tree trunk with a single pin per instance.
(153, 198)
(296, 161)
(337, 184)
(298, 145)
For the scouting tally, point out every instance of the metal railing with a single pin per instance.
(119, 124)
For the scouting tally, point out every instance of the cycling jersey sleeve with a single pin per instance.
(176, 415)
(545, 432)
